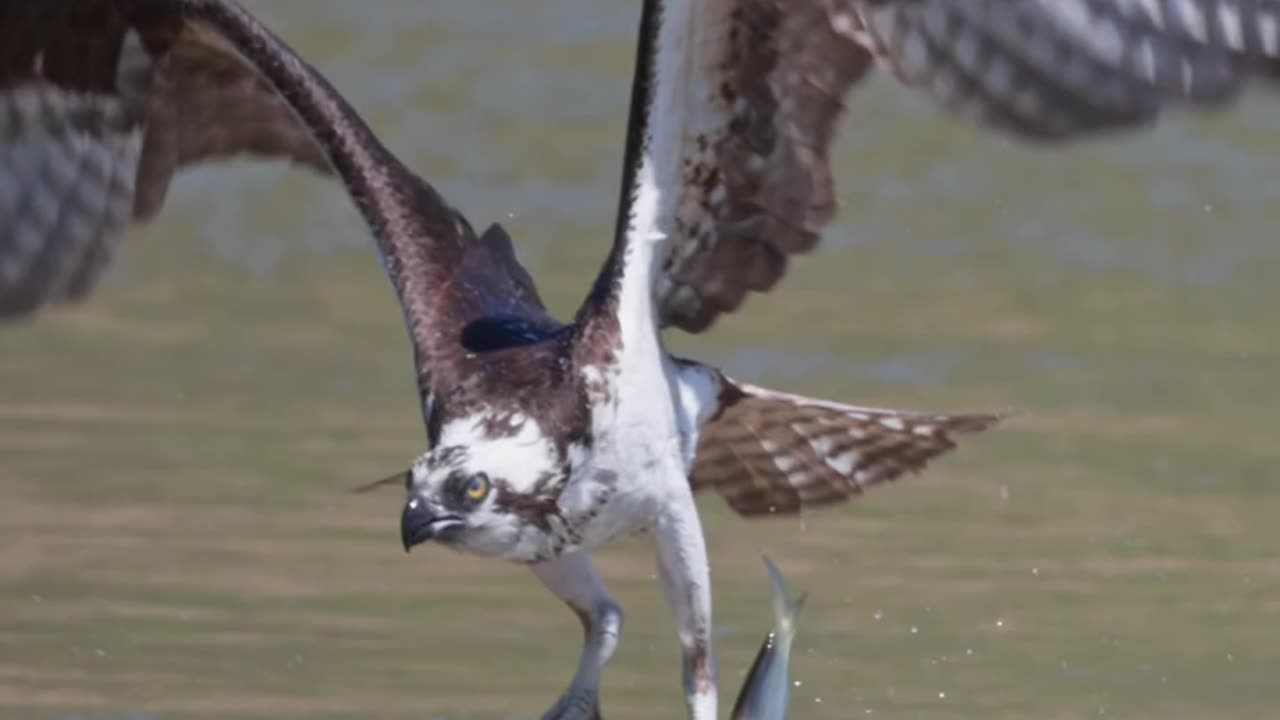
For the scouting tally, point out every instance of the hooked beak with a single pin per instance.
(421, 521)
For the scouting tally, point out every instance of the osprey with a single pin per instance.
(547, 438)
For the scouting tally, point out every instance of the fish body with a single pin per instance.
(767, 689)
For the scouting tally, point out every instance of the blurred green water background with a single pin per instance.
(177, 539)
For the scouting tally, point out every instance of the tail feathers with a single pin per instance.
(769, 452)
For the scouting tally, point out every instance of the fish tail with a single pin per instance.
(785, 609)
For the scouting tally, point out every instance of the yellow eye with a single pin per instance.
(477, 487)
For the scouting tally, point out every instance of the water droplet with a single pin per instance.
(914, 629)
(942, 696)
(878, 614)
(1035, 571)
(100, 652)
(1004, 492)
(1230, 657)
(999, 623)
(817, 699)
(968, 651)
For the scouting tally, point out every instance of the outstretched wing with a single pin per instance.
(96, 98)
(101, 103)
(769, 452)
(756, 154)
(756, 177)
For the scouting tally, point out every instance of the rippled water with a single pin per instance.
(177, 539)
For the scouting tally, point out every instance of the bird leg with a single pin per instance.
(686, 578)
(574, 580)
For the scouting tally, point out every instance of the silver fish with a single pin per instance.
(767, 689)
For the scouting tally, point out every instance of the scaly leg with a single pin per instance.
(573, 579)
(682, 563)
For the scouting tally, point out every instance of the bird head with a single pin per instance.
(488, 487)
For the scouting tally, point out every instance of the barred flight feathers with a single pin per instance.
(770, 452)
